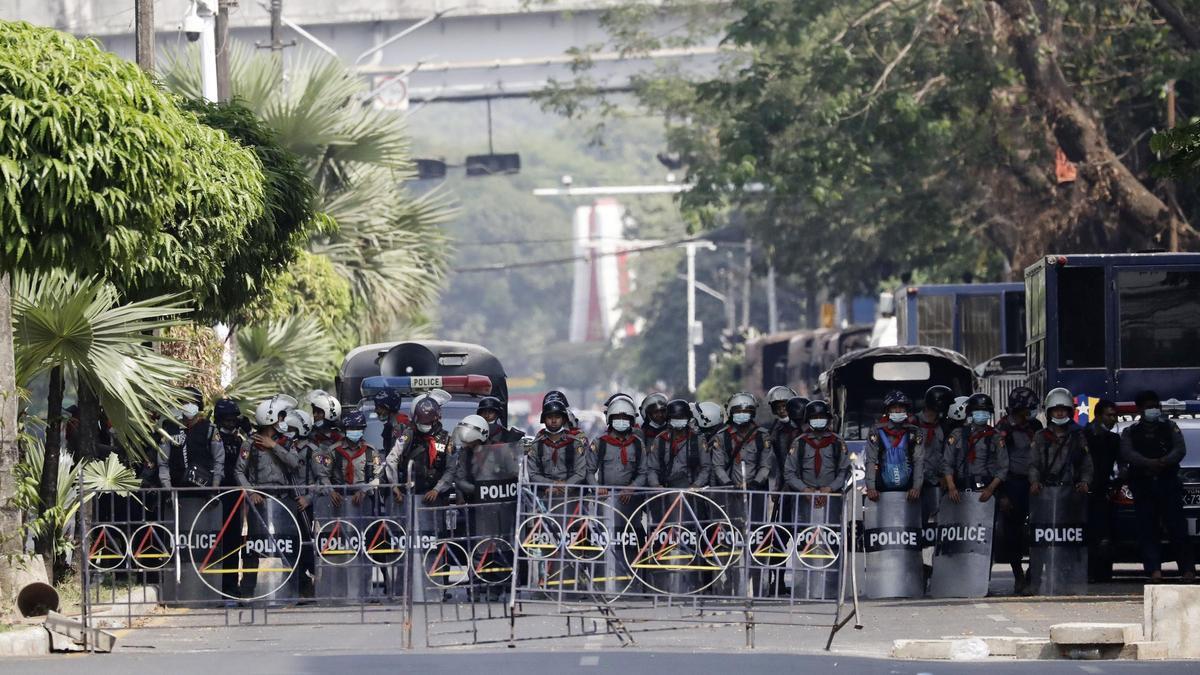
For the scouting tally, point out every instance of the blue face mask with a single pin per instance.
(818, 423)
(1152, 414)
(741, 418)
(981, 417)
(621, 426)
(354, 434)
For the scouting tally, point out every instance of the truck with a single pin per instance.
(978, 321)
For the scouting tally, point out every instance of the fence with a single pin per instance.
(522, 561)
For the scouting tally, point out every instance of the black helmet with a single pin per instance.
(193, 396)
(490, 403)
(427, 411)
(817, 409)
(554, 407)
(980, 402)
(897, 397)
(795, 409)
(1022, 398)
(679, 409)
(387, 399)
(353, 419)
(555, 395)
(938, 398)
(226, 409)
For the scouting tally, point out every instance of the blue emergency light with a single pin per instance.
(410, 385)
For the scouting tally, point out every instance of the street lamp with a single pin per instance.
(199, 23)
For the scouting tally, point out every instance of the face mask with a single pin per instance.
(784, 419)
(653, 425)
(741, 418)
(1059, 421)
(1152, 414)
(290, 434)
(281, 427)
(189, 410)
(981, 417)
(897, 417)
(424, 428)
(621, 425)
(228, 429)
(678, 424)
(818, 423)
(355, 435)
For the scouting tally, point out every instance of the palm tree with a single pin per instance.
(291, 355)
(388, 244)
(77, 327)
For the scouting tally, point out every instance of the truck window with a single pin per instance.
(1081, 317)
(1014, 323)
(980, 327)
(935, 321)
(1159, 318)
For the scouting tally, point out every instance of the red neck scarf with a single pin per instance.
(348, 458)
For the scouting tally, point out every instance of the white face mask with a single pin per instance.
(424, 428)
(897, 417)
(621, 426)
(785, 419)
(355, 435)
(189, 410)
(741, 418)
(1059, 421)
(281, 427)
(290, 434)
(1152, 414)
(981, 417)
(818, 423)
(678, 423)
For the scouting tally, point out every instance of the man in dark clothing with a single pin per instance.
(1018, 429)
(1105, 448)
(1153, 446)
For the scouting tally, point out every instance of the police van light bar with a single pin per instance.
(413, 384)
(1171, 406)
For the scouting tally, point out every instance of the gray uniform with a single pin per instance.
(348, 463)
(1061, 459)
(933, 451)
(558, 458)
(679, 459)
(179, 440)
(731, 449)
(975, 455)
(1018, 442)
(618, 459)
(901, 434)
(801, 471)
(258, 466)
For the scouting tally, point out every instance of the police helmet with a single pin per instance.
(938, 398)
(795, 409)
(388, 400)
(326, 403)
(958, 410)
(354, 419)
(980, 401)
(710, 414)
(653, 402)
(554, 407)
(301, 421)
(490, 403)
(193, 395)
(572, 419)
(226, 408)
(555, 395)
(897, 397)
(1022, 398)
(620, 406)
(1060, 398)
(817, 408)
(269, 412)
(741, 401)
(427, 411)
(472, 429)
(679, 409)
(779, 393)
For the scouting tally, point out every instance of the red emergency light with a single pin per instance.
(479, 385)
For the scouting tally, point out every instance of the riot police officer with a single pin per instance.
(228, 418)
(678, 458)
(742, 444)
(195, 455)
(492, 410)
(325, 413)
(935, 426)
(620, 453)
(306, 478)
(654, 417)
(1104, 446)
(817, 460)
(1153, 447)
(895, 456)
(556, 455)
(479, 472)
(1017, 428)
(710, 417)
(956, 415)
(425, 445)
(784, 431)
(1060, 453)
(975, 455)
(395, 422)
(777, 398)
(350, 467)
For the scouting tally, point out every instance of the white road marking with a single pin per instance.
(589, 660)
(999, 618)
(981, 605)
(1017, 629)
(1091, 669)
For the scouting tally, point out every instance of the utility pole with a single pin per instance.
(1172, 204)
(692, 332)
(772, 307)
(144, 34)
(746, 287)
(277, 44)
(222, 27)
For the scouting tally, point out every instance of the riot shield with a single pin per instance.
(1058, 561)
(892, 540)
(199, 523)
(273, 542)
(343, 571)
(491, 514)
(962, 557)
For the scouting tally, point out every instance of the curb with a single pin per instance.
(33, 641)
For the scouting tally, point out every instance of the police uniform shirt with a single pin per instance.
(327, 436)
(428, 453)
(816, 459)
(306, 477)
(731, 448)
(178, 445)
(349, 463)
(933, 450)
(1017, 441)
(259, 466)
(618, 459)
(679, 459)
(1063, 460)
(895, 434)
(976, 454)
(1143, 442)
(782, 435)
(558, 458)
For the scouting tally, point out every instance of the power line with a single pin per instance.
(515, 242)
(500, 267)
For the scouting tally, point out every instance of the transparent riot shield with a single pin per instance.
(343, 571)
(199, 525)
(892, 542)
(962, 558)
(1058, 561)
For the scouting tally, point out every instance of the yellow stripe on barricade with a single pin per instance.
(256, 569)
(709, 568)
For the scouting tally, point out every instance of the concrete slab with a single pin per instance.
(25, 642)
(1083, 633)
(1172, 616)
(924, 650)
(1144, 651)
(1034, 650)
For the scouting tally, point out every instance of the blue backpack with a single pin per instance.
(895, 469)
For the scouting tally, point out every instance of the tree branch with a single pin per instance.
(1178, 22)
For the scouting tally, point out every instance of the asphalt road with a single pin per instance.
(518, 662)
